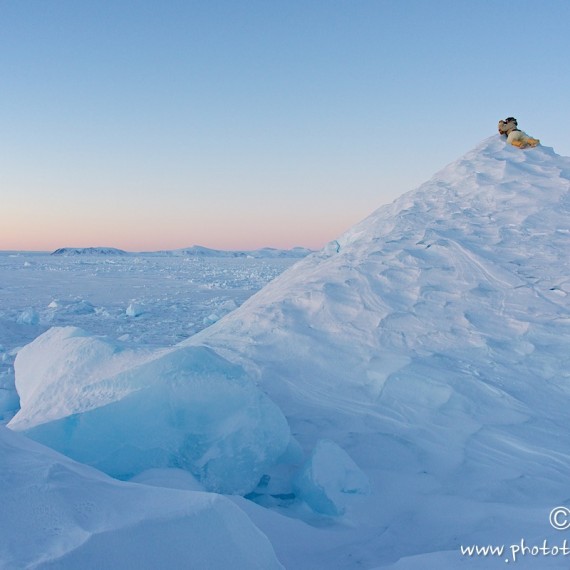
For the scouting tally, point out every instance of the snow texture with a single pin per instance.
(430, 342)
(56, 513)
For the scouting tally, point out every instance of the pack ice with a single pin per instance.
(421, 361)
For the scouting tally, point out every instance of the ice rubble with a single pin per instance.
(328, 477)
(28, 317)
(56, 513)
(126, 411)
(134, 309)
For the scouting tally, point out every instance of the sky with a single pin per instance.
(149, 125)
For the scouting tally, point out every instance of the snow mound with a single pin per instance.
(59, 514)
(125, 412)
(329, 479)
(467, 273)
(431, 342)
(57, 375)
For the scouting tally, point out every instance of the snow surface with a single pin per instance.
(428, 347)
(56, 513)
(430, 342)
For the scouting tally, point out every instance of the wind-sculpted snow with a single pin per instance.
(431, 343)
(126, 411)
(55, 513)
(472, 268)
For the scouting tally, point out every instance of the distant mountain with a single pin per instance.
(68, 251)
(265, 252)
(195, 250)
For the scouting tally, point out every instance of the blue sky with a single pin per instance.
(149, 125)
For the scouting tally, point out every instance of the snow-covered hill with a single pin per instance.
(421, 362)
(68, 251)
(431, 342)
(474, 262)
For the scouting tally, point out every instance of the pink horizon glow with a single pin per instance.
(309, 238)
(142, 231)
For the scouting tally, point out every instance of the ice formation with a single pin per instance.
(126, 411)
(28, 317)
(134, 309)
(329, 479)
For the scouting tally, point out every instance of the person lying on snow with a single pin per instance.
(516, 137)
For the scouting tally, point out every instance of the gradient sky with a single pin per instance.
(235, 124)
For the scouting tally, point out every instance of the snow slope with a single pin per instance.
(431, 343)
(56, 513)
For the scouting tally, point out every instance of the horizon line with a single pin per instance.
(50, 251)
